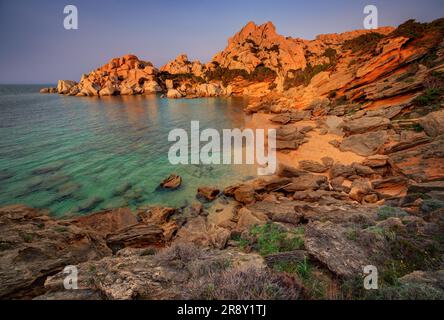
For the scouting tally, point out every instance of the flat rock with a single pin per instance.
(327, 242)
(282, 211)
(306, 182)
(433, 123)
(366, 124)
(365, 144)
(139, 235)
(312, 166)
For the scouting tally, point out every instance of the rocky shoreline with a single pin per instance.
(360, 135)
(307, 232)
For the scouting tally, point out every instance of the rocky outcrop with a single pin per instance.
(328, 243)
(35, 246)
(260, 45)
(64, 86)
(365, 144)
(207, 193)
(433, 123)
(49, 90)
(181, 65)
(377, 69)
(134, 274)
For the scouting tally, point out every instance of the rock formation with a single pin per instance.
(359, 128)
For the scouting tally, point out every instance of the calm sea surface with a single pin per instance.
(79, 155)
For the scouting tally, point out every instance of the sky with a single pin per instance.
(36, 48)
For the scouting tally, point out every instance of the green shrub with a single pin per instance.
(225, 75)
(430, 205)
(353, 289)
(332, 95)
(303, 77)
(352, 234)
(414, 30)
(429, 97)
(331, 54)
(406, 292)
(352, 62)
(386, 212)
(302, 268)
(262, 73)
(363, 43)
(270, 238)
(274, 48)
(410, 29)
(27, 237)
(180, 77)
(243, 284)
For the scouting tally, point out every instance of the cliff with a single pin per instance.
(362, 66)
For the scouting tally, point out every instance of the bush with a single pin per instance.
(180, 77)
(363, 43)
(409, 29)
(303, 77)
(386, 212)
(225, 75)
(353, 289)
(270, 238)
(315, 283)
(406, 292)
(180, 252)
(332, 95)
(243, 284)
(262, 73)
(331, 54)
(430, 205)
(274, 48)
(429, 97)
(414, 30)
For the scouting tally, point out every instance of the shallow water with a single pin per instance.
(79, 155)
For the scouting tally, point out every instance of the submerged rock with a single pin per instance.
(5, 175)
(172, 182)
(207, 193)
(48, 90)
(90, 204)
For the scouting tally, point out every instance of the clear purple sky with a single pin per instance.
(35, 48)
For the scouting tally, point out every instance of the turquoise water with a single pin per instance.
(76, 155)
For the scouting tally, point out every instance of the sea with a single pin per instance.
(78, 155)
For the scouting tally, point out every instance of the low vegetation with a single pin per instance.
(429, 97)
(180, 77)
(414, 30)
(271, 238)
(303, 77)
(243, 284)
(365, 43)
(226, 76)
(386, 212)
